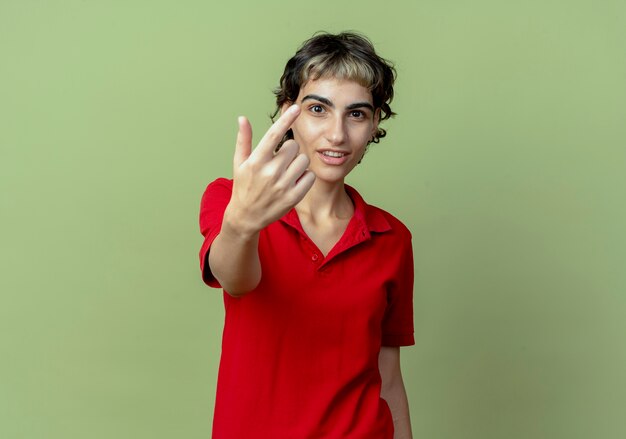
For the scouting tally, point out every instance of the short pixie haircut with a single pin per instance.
(346, 55)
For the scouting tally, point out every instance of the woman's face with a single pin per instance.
(336, 122)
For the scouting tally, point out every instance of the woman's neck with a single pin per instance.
(326, 201)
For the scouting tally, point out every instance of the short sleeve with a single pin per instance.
(397, 327)
(214, 201)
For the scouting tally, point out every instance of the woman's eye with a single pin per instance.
(317, 109)
(357, 114)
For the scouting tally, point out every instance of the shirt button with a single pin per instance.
(315, 257)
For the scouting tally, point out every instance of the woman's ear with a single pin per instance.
(376, 121)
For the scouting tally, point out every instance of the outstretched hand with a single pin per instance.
(266, 183)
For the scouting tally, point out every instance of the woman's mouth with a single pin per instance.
(333, 157)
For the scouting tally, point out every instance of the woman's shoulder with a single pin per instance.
(394, 222)
(220, 182)
(219, 186)
(378, 219)
(218, 191)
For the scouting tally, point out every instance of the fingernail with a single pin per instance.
(293, 108)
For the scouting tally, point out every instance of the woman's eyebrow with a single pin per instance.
(319, 98)
(328, 102)
(360, 105)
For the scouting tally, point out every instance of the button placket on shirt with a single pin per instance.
(316, 257)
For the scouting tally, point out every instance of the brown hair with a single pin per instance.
(346, 55)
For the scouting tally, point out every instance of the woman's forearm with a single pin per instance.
(398, 404)
(393, 391)
(234, 259)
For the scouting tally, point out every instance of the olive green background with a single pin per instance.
(507, 161)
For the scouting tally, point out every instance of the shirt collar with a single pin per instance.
(370, 217)
(366, 218)
(365, 221)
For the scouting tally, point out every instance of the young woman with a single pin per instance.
(318, 284)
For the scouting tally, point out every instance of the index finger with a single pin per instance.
(276, 132)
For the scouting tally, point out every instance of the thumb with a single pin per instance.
(243, 147)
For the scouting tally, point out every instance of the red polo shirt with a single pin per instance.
(300, 352)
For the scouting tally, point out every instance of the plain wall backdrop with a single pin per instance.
(507, 160)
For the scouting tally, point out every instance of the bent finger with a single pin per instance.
(276, 132)
(303, 185)
(286, 154)
(295, 170)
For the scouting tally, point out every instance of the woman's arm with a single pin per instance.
(266, 185)
(234, 259)
(393, 391)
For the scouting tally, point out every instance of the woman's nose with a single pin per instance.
(336, 134)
